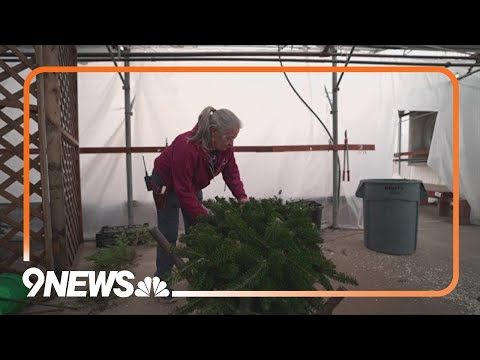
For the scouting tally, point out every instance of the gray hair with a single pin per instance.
(221, 120)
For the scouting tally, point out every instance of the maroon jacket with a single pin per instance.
(184, 167)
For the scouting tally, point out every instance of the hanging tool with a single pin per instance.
(159, 192)
(148, 179)
(346, 161)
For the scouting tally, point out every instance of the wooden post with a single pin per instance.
(47, 225)
(77, 153)
(332, 303)
(464, 210)
(445, 204)
(55, 159)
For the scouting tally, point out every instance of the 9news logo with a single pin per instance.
(73, 284)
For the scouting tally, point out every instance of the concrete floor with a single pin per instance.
(428, 268)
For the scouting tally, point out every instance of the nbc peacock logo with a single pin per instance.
(150, 286)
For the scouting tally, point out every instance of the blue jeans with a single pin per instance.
(167, 219)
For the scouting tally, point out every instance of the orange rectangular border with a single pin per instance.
(414, 69)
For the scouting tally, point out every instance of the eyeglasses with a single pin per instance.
(229, 138)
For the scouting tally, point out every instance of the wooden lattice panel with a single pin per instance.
(55, 201)
(12, 75)
(71, 153)
(59, 102)
(73, 215)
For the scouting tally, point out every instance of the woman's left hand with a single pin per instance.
(243, 200)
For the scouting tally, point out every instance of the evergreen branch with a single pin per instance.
(184, 271)
(190, 306)
(188, 252)
(323, 280)
(274, 245)
(249, 276)
(340, 277)
(299, 267)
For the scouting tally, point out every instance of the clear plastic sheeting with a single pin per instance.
(435, 93)
(166, 104)
(469, 145)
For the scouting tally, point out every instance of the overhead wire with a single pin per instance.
(316, 116)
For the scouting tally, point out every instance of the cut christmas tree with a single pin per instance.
(263, 245)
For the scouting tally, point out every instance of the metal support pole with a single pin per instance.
(128, 139)
(335, 142)
(400, 142)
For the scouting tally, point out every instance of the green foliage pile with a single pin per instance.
(113, 258)
(137, 236)
(122, 253)
(263, 245)
(119, 256)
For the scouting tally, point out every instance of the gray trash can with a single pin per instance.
(390, 213)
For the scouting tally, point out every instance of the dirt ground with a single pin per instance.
(143, 266)
(429, 268)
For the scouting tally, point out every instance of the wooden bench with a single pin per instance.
(445, 198)
(435, 190)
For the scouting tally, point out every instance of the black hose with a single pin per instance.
(318, 118)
